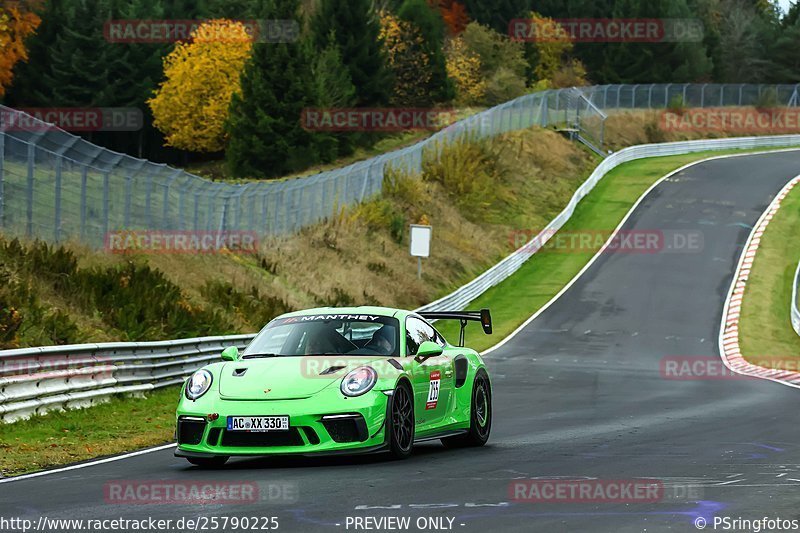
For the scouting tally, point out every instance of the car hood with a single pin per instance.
(285, 378)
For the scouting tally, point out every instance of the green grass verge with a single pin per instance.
(766, 335)
(120, 425)
(545, 274)
(126, 424)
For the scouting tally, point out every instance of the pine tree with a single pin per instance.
(355, 27)
(431, 26)
(266, 135)
(660, 62)
(333, 88)
(497, 14)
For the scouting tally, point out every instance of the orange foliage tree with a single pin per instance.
(191, 106)
(453, 13)
(17, 22)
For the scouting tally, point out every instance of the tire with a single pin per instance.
(400, 423)
(208, 462)
(480, 422)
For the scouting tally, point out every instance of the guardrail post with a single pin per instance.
(57, 214)
(29, 190)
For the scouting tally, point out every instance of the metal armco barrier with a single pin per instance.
(34, 380)
(505, 268)
(795, 311)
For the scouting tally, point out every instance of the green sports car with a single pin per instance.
(338, 380)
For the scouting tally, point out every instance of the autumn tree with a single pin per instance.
(191, 105)
(429, 23)
(551, 59)
(454, 15)
(17, 22)
(407, 59)
(464, 68)
(502, 62)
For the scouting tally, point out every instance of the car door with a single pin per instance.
(433, 377)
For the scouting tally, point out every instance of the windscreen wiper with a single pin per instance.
(259, 355)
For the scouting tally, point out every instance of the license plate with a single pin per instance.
(258, 424)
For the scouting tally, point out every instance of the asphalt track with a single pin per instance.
(578, 393)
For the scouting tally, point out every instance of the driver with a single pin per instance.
(382, 341)
(321, 341)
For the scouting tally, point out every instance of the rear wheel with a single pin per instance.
(400, 424)
(480, 418)
(208, 462)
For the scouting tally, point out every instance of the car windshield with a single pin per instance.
(335, 334)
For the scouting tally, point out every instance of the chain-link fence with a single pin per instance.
(56, 186)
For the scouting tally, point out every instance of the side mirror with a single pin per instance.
(231, 353)
(429, 349)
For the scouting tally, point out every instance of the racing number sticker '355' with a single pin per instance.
(433, 390)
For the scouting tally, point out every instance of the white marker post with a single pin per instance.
(420, 244)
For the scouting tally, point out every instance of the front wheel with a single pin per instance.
(480, 424)
(400, 423)
(208, 462)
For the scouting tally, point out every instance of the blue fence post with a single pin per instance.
(29, 191)
(106, 206)
(128, 194)
(57, 214)
(84, 176)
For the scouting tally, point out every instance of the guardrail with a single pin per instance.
(795, 311)
(505, 268)
(34, 380)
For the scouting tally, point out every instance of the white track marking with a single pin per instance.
(87, 464)
(495, 347)
(618, 228)
(729, 348)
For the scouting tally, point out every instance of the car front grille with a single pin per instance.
(262, 440)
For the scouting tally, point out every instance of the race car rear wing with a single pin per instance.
(483, 316)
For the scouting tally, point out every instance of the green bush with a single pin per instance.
(252, 307)
(677, 105)
(143, 304)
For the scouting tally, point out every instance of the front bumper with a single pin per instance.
(322, 424)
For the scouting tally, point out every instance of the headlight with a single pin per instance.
(359, 381)
(198, 384)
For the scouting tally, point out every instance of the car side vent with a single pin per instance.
(395, 364)
(330, 370)
(239, 372)
(461, 370)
